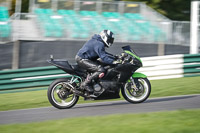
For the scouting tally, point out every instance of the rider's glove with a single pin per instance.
(116, 57)
(119, 61)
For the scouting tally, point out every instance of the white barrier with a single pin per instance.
(163, 67)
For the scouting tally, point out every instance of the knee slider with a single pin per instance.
(101, 75)
(102, 72)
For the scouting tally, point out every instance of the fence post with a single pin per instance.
(161, 49)
(194, 27)
(15, 58)
(31, 6)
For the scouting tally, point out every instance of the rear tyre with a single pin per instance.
(138, 95)
(60, 95)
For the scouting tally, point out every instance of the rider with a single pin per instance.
(90, 52)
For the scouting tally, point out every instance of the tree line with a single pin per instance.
(173, 9)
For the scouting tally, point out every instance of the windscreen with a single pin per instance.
(128, 48)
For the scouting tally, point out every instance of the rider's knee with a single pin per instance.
(102, 71)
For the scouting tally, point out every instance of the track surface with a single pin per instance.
(102, 108)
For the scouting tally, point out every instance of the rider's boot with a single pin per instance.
(87, 84)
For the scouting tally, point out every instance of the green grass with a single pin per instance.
(172, 87)
(33, 99)
(181, 121)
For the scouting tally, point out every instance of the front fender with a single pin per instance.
(139, 75)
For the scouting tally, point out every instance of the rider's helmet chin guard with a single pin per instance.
(107, 36)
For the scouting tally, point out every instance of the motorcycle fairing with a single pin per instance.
(110, 74)
(125, 70)
(66, 67)
(108, 95)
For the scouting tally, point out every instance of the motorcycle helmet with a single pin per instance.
(107, 36)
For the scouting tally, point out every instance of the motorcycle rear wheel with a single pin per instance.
(131, 95)
(60, 96)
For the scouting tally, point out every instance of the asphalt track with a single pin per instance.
(101, 108)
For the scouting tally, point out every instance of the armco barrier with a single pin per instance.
(30, 77)
(159, 67)
(171, 66)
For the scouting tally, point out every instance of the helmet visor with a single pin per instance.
(111, 40)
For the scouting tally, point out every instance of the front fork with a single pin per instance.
(134, 79)
(135, 84)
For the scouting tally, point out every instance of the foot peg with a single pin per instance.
(93, 96)
(89, 89)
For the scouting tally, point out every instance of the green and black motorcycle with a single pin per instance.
(64, 93)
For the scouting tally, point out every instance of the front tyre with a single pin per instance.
(60, 95)
(137, 94)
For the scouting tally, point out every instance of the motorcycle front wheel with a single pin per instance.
(60, 95)
(138, 94)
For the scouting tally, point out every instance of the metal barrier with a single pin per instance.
(29, 77)
(172, 66)
(160, 67)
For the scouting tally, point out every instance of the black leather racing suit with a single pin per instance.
(87, 56)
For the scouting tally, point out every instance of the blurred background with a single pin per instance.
(32, 30)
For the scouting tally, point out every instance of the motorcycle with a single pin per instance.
(64, 93)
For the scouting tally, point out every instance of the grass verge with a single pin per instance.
(181, 121)
(33, 99)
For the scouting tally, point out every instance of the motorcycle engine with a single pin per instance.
(97, 87)
(106, 85)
